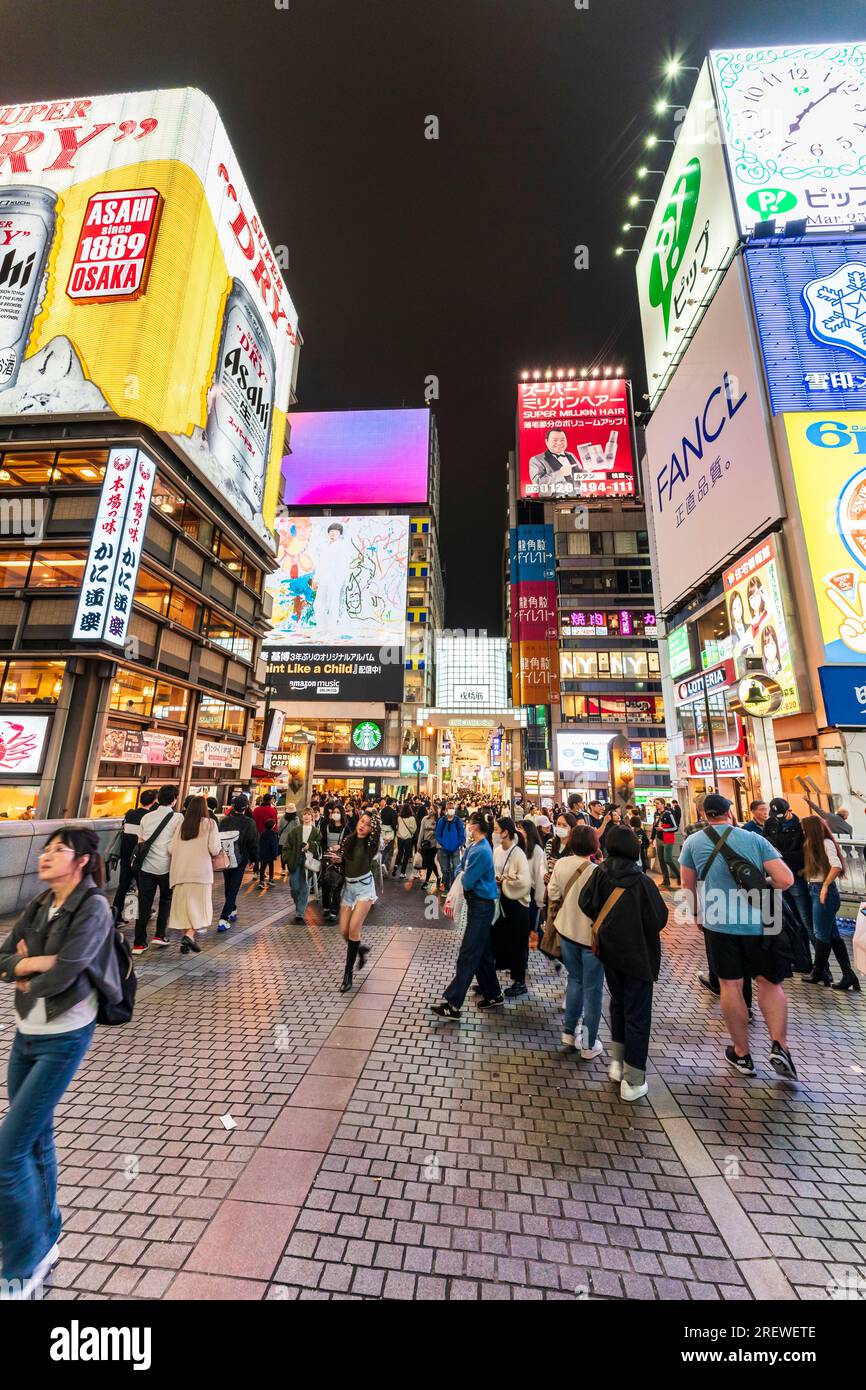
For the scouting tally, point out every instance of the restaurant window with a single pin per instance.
(333, 737)
(251, 576)
(18, 803)
(33, 682)
(235, 719)
(131, 694)
(57, 569)
(197, 527)
(152, 592)
(113, 802)
(27, 469)
(228, 637)
(183, 609)
(81, 466)
(170, 702)
(228, 556)
(14, 565)
(211, 713)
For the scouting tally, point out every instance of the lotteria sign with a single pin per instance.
(726, 765)
(690, 239)
(717, 678)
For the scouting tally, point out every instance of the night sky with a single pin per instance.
(411, 257)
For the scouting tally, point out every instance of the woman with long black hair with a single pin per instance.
(60, 957)
(359, 849)
(514, 877)
(823, 866)
(192, 850)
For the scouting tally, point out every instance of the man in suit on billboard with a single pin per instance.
(556, 464)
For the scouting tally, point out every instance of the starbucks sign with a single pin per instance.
(690, 238)
(366, 735)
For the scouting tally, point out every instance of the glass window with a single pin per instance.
(113, 801)
(211, 713)
(81, 466)
(18, 803)
(230, 638)
(183, 609)
(625, 543)
(167, 500)
(252, 577)
(27, 469)
(57, 569)
(235, 720)
(152, 591)
(228, 556)
(33, 682)
(14, 565)
(170, 702)
(131, 694)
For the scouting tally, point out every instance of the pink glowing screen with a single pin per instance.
(357, 456)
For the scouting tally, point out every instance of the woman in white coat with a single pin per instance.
(514, 877)
(571, 873)
(195, 842)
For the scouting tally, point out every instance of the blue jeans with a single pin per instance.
(300, 888)
(476, 953)
(449, 860)
(823, 917)
(40, 1069)
(585, 988)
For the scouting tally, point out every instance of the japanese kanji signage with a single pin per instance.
(708, 448)
(105, 601)
(810, 304)
(574, 439)
(690, 239)
(532, 553)
(535, 669)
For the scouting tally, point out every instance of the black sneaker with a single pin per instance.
(445, 1010)
(782, 1062)
(516, 990)
(497, 1003)
(743, 1064)
(707, 984)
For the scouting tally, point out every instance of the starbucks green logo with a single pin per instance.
(673, 237)
(770, 201)
(367, 736)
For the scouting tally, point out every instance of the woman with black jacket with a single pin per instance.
(628, 913)
(359, 848)
(60, 957)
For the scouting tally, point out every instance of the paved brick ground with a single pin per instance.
(376, 1152)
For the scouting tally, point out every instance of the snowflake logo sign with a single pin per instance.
(837, 308)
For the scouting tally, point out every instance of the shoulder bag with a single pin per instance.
(744, 873)
(550, 945)
(139, 854)
(600, 920)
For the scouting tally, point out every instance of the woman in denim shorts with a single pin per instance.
(359, 891)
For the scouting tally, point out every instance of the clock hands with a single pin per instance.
(813, 104)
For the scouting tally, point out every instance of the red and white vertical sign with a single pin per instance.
(108, 587)
(115, 246)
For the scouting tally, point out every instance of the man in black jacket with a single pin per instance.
(785, 833)
(246, 850)
(128, 841)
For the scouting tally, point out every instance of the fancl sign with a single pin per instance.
(720, 406)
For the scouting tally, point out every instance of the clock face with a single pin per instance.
(794, 124)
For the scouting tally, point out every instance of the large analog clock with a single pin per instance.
(794, 124)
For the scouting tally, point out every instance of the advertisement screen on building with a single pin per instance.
(829, 469)
(340, 458)
(708, 447)
(794, 133)
(138, 282)
(756, 618)
(574, 438)
(22, 743)
(810, 306)
(689, 241)
(679, 651)
(339, 607)
(585, 755)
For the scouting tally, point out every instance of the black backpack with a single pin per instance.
(112, 1015)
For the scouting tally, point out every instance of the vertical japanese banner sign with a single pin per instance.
(105, 601)
(534, 648)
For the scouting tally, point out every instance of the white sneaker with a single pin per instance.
(587, 1053)
(627, 1092)
(19, 1291)
(614, 1071)
(568, 1039)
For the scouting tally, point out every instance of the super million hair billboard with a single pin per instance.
(136, 280)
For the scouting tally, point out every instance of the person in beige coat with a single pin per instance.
(571, 873)
(195, 842)
(511, 931)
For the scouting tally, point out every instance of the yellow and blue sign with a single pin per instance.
(810, 305)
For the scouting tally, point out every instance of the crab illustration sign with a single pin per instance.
(22, 740)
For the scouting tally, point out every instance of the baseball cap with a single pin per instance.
(779, 806)
(716, 805)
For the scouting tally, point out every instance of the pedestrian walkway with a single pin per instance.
(256, 1134)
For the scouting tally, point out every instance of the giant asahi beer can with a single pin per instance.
(27, 217)
(242, 403)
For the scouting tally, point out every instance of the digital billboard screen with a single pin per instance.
(339, 607)
(343, 458)
(574, 438)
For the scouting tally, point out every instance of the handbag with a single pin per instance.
(220, 860)
(744, 873)
(550, 944)
(600, 920)
(139, 854)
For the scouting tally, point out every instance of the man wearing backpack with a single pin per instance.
(734, 929)
(128, 841)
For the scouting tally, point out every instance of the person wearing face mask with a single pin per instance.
(476, 951)
(514, 876)
(451, 838)
(556, 845)
(358, 849)
(585, 990)
(302, 842)
(332, 876)
(534, 850)
(427, 845)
